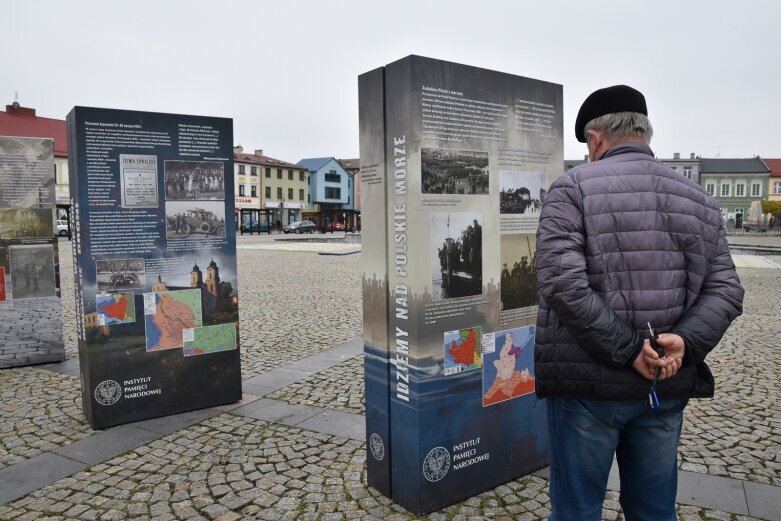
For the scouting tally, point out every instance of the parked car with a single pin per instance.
(336, 227)
(197, 220)
(300, 227)
(62, 227)
(255, 227)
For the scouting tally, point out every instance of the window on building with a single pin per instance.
(253, 191)
(290, 175)
(268, 192)
(756, 189)
(279, 173)
(279, 192)
(332, 177)
(687, 172)
(726, 189)
(253, 170)
(309, 180)
(740, 190)
(241, 169)
(308, 198)
(300, 194)
(777, 187)
(333, 192)
(674, 168)
(300, 176)
(241, 190)
(290, 193)
(710, 188)
(268, 172)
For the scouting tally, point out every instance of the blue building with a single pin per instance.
(331, 191)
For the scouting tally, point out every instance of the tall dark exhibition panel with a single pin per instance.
(30, 312)
(154, 248)
(455, 163)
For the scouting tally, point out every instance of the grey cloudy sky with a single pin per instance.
(286, 72)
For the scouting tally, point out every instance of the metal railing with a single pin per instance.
(762, 228)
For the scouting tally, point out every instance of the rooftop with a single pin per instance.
(23, 122)
(752, 165)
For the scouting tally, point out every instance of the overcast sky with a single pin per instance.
(286, 71)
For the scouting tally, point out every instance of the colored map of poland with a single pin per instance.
(167, 314)
(116, 308)
(462, 351)
(508, 380)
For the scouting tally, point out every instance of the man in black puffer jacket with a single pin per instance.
(624, 242)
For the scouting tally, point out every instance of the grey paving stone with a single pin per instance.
(278, 378)
(256, 390)
(711, 492)
(34, 473)
(70, 366)
(338, 423)
(168, 424)
(107, 444)
(276, 411)
(764, 501)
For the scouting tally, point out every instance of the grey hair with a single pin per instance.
(620, 125)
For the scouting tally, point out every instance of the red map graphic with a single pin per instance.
(2, 284)
(116, 310)
(464, 353)
(517, 385)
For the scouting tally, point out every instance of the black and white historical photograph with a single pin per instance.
(194, 219)
(120, 274)
(446, 171)
(522, 192)
(518, 282)
(26, 223)
(32, 271)
(457, 254)
(194, 181)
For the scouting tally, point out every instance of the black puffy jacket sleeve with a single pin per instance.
(719, 303)
(564, 284)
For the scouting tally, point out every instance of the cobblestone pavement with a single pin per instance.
(738, 433)
(341, 387)
(40, 410)
(230, 467)
(295, 304)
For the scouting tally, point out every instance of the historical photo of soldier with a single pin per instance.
(26, 223)
(456, 254)
(32, 271)
(453, 172)
(522, 192)
(518, 280)
(120, 274)
(194, 219)
(194, 181)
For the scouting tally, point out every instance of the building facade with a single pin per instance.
(689, 168)
(276, 187)
(774, 192)
(331, 197)
(735, 183)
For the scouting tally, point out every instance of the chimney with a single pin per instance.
(18, 110)
(238, 149)
(258, 152)
(692, 156)
(677, 155)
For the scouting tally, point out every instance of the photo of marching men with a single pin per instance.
(194, 180)
(453, 171)
(32, 271)
(457, 254)
(518, 255)
(522, 192)
(194, 219)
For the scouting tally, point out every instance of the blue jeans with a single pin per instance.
(584, 436)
